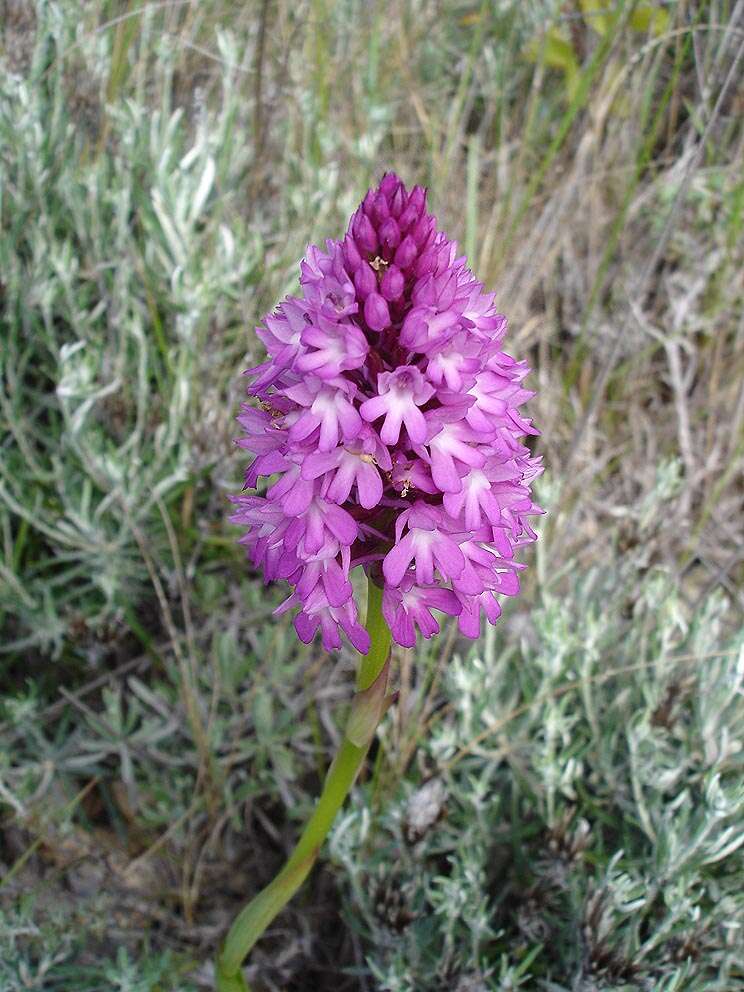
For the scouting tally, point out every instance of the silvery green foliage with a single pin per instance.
(18, 930)
(69, 919)
(122, 258)
(36, 955)
(578, 824)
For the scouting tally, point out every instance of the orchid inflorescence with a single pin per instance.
(390, 416)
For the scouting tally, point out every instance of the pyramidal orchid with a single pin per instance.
(387, 435)
(391, 416)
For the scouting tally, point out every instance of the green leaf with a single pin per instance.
(595, 20)
(555, 51)
(648, 17)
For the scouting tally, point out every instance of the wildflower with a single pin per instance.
(388, 436)
(389, 422)
(399, 396)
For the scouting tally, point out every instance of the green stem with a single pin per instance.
(367, 710)
(379, 636)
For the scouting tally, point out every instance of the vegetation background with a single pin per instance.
(557, 807)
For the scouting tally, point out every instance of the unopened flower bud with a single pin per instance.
(417, 199)
(393, 283)
(406, 252)
(365, 280)
(397, 202)
(351, 254)
(390, 184)
(364, 233)
(421, 229)
(381, 210)
(376, 312)
(389, 235)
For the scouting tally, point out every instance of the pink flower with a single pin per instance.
(475, 499)
(391, 428)
(329, 408)
(452, 453)
(399, 396)
(426, 546)
(408, 606)
(354, 465)
(332, 348)
(454, 364)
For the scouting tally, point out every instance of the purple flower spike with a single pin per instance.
(389, 422)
